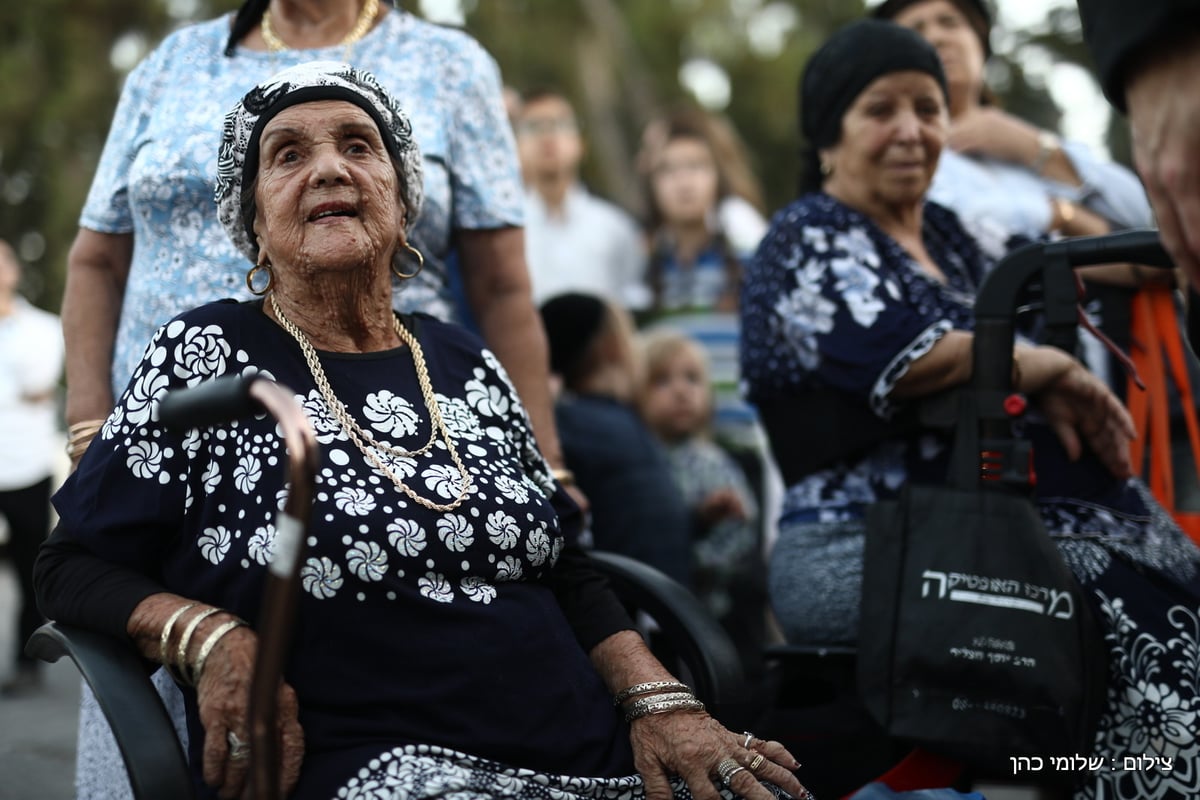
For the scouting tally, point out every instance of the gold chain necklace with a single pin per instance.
(363, 440)
(366, 16)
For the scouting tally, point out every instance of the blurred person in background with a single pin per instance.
(998, 168)
(636, 508)
(31, 358)
(574, 241)
(729, 574)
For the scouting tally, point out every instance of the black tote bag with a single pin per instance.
(976, 640)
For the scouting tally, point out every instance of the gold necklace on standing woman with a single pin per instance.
(363, 440)
(366, 16)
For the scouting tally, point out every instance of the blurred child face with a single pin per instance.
(684, 181)
(676, 401)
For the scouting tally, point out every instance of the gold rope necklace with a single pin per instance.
(366, 16)
(363, 440)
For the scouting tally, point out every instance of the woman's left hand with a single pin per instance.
(691, 744)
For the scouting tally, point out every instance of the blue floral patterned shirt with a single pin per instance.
(832, 302)
(157, 172)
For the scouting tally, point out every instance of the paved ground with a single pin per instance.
(37, 733)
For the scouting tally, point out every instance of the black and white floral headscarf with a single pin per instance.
(237, 162)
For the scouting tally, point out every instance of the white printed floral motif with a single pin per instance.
(211, 477)
(503, 530)
(537, 546)
(144, 459)
(435, 586)
(460, 419)
(262, 545)
(247, 473)
(367, 560)
(443, 479)
(478, 589)
(214, 543)
(391, 414)
(355, 501)
(513, 490)
(321, 578)
(201, 354)
(324, 425)
(486, 398)
(455, 532)
(406, 536)
(509, 569)
(144, 392)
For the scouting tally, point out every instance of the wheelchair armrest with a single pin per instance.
(117, 676)
(702, 644)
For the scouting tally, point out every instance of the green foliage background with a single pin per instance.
(619, 59)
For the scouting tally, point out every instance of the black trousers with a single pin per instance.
(28, 513)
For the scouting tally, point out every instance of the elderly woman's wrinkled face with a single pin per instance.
(944, 25)
(327, 194)
(684, 180)
(892, 136)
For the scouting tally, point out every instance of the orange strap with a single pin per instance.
(1155, 330)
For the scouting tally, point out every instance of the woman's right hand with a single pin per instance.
(223, 698)
(1079, 407)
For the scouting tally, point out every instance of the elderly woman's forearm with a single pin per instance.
(624, 660)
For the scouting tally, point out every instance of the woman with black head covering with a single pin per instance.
(858, 303)
(150, 246)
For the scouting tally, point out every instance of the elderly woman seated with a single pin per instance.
(862, 291)
(452, 638)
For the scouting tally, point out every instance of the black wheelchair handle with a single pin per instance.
(210, 403)
(1141, 246)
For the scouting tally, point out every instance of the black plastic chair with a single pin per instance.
(156, 763)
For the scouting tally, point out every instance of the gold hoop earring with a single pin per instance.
(265, 265)
(404, 276)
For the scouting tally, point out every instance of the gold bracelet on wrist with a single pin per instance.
(644, 707)
(186, 637)
(650, 687)
(164, 641)
(211, 642)
(563, 476)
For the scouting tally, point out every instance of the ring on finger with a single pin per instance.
(756, 762)
(749, 738)
(238, 749)
(727, 768)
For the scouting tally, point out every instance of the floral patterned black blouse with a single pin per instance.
(414, 626)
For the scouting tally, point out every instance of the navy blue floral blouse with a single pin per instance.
(832, 302)
(415, 626)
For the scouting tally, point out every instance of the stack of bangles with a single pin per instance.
(656, 697)
(80, 435)
(175, 659)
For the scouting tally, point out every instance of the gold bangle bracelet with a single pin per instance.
(86, 425)
(186, 637)
(563, 476)
(210, 643)
(165, 638)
